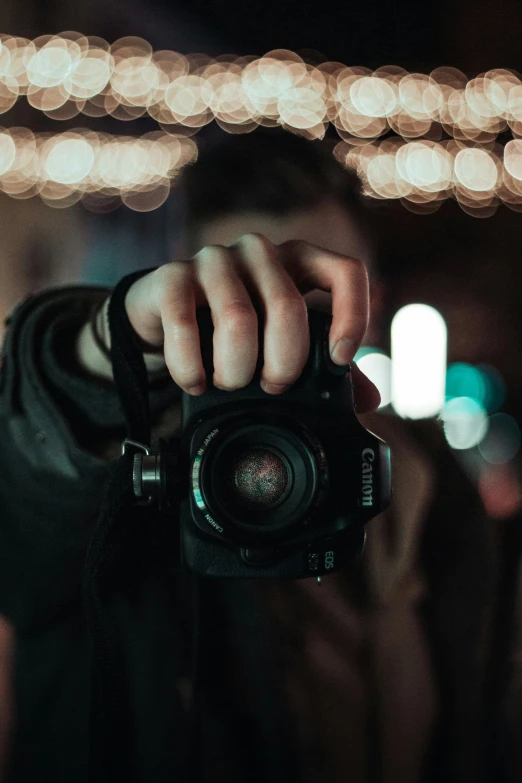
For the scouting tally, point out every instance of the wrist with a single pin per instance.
(154, 357)
(94, 342)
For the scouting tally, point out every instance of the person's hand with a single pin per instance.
(281, 279)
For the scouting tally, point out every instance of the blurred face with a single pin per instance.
(327, 225)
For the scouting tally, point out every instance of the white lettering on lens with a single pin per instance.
(329, 560)
(368, 456)
(207, 441)
(213, 522)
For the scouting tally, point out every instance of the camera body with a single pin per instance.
(273, 486)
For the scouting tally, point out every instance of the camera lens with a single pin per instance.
(258, 478)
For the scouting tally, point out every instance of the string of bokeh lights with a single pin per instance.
(101, 170)
(446, 126)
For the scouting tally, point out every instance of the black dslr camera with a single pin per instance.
(270, 486)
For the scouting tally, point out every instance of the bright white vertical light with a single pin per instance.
(419, 347)
(377, 367)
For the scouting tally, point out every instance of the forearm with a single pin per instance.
(92, 359)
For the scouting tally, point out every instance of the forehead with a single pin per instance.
(327, 225)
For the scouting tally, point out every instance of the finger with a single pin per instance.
(176, 300)
(346, 278)
(235, 341)
(286, 338)
(366, 395)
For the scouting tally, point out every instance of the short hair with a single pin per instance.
(274, 172)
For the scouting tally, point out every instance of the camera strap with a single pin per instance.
(114, 560)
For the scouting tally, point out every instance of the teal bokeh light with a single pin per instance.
(482, 383)
(364, 350)
(495, 389)
(464, 380)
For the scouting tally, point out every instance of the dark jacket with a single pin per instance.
(379, 675)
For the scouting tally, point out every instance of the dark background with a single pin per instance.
(473, 35)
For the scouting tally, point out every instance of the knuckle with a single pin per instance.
(163, 274)
(289, 306)
(214, 261)
(182, 320)
(214, 253)
(175, 307)
(354, 267)
(170, 273)
(238, 314)
(256, 241)
(171, 280)
(296, 245)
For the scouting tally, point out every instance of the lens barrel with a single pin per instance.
(259, 476)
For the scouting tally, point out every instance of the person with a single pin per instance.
(378, 674)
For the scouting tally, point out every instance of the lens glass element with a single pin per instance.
(258, 478)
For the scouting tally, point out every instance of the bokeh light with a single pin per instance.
(464, 380)
(446, 125)
(500, 490)
(69, 161)
(502, 441)
(376, 365)
(465, 422)
(419, 348)
(494, 388)
(65, 168)
(7, 152)
(482, 383)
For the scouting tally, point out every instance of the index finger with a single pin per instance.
(346, 279)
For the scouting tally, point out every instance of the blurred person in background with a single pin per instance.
(379, 674)
(475, 286)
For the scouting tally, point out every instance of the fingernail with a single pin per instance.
(344, 351)
(197, 390)
(274, 388)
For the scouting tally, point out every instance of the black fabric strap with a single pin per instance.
(93, 319)
(128, 364)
